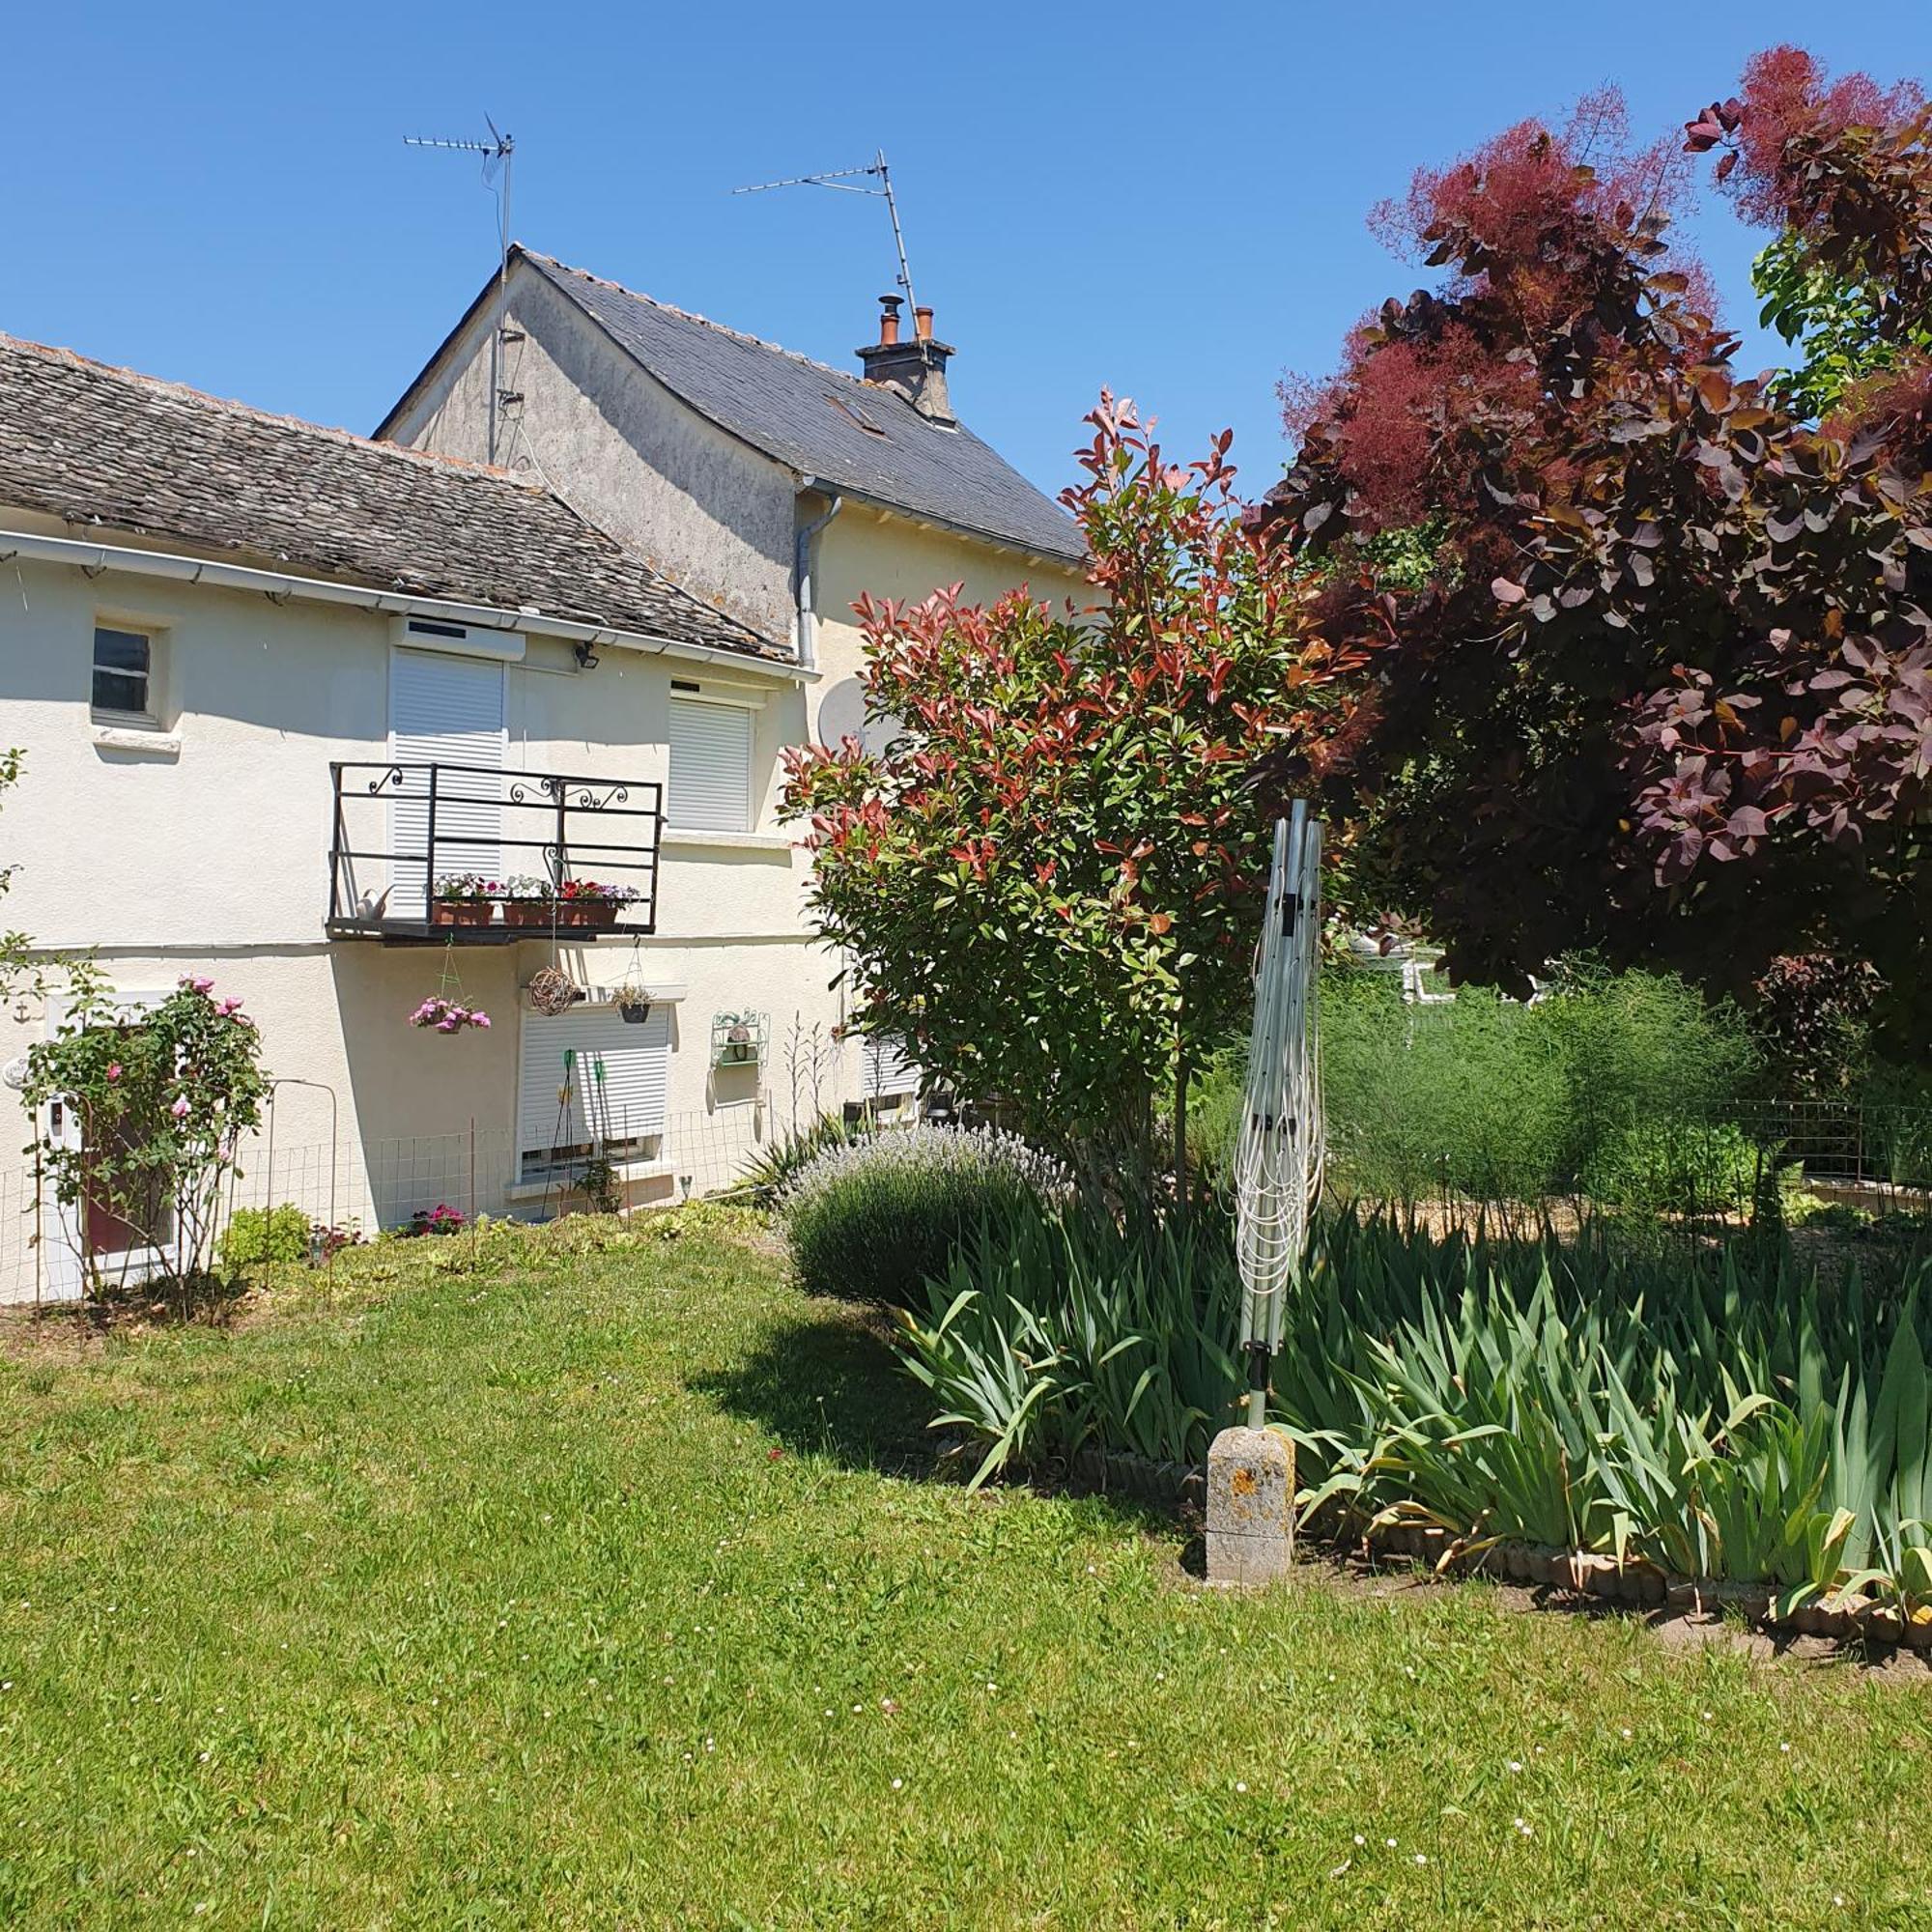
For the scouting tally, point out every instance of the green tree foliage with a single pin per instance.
(1837, 323)
(1047, 880)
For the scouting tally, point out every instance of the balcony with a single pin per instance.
(413, 841)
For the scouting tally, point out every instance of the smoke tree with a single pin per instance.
(1046, 879)
(1663, 689)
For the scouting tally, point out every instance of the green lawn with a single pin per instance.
(603, 1589)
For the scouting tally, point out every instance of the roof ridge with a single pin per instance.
(702, 321)
(138, 378)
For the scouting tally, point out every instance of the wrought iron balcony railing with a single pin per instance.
(487, 856)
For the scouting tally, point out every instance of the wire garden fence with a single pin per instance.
(1813, 1166)
(376, 1184)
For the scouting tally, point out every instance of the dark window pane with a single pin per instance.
(116, 690)
(121, 666)
(120, 650)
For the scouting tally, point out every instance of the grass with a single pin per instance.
(602, 1588)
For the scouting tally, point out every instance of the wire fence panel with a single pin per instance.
(377, 1184)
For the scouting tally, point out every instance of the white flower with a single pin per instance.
(1422, 1858)
(898, 1784)
(1239, 1786)
(1359, 1840)
(1516, 1764)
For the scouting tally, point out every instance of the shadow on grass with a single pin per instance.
(829, 1383)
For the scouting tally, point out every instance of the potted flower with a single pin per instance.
(437, 1014)
(632, 1001)
(462, 899)
(588, 902)
(525, 899)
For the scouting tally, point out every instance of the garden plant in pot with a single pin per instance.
(588, 903)
(462, 899)
(527, 899)
(631, 1000)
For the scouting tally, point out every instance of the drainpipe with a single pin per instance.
(802, 579)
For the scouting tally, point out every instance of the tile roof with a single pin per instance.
(108, 449)
(822, 422)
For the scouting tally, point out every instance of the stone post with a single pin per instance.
(1250, 1508)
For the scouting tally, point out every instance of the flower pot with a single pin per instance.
(598, 914)
(459, 912)
(633, 1012)
(527, 912)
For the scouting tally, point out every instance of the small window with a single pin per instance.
(710, 766)
(123, 668)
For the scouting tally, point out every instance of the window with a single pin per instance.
(710, 765)
(890, 1070)
(591, 1076)
(123, 670)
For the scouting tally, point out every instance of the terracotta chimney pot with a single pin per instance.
(922, 322)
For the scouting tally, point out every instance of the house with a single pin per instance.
(279, 685)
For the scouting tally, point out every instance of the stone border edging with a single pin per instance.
(1643, 1585)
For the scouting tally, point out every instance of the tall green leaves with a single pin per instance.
(1710, 1417)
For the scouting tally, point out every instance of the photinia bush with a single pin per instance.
(1046, 878)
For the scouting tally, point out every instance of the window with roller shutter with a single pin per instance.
(710, 787)
(890, 1070)
(564, 1108)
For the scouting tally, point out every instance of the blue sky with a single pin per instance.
(1167, 200)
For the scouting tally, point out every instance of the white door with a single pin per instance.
(444, 711)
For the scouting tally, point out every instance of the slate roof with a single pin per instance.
(107, 449)
(813, 419)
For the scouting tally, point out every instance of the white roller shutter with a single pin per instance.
(889, 1068)
(710, 766)
(627, 1104)
(449, 711)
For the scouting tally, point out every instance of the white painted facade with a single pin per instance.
(199, 844)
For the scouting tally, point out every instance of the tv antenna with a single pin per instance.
(499, 153)
(845, 182)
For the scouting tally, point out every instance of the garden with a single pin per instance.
(594, 1574)
(831, 1558)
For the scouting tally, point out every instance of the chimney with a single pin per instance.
(915, 369)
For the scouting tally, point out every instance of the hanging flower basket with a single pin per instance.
(437, 1014)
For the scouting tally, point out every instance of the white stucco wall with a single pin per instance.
(207, 852)
(713, 515)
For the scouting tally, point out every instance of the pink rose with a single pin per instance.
(113, 1070)
(179, 1108)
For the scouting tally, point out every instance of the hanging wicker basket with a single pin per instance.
(551, 990)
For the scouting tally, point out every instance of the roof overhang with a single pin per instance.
(94, 557)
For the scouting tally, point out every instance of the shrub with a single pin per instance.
(1677, 1167)
(1496, 1100)
(776, 1166)
(871, 1220)
(256, 1236)
(163, 1098)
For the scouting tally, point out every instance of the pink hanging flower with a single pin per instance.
(228, 1006)
(441, 1016)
